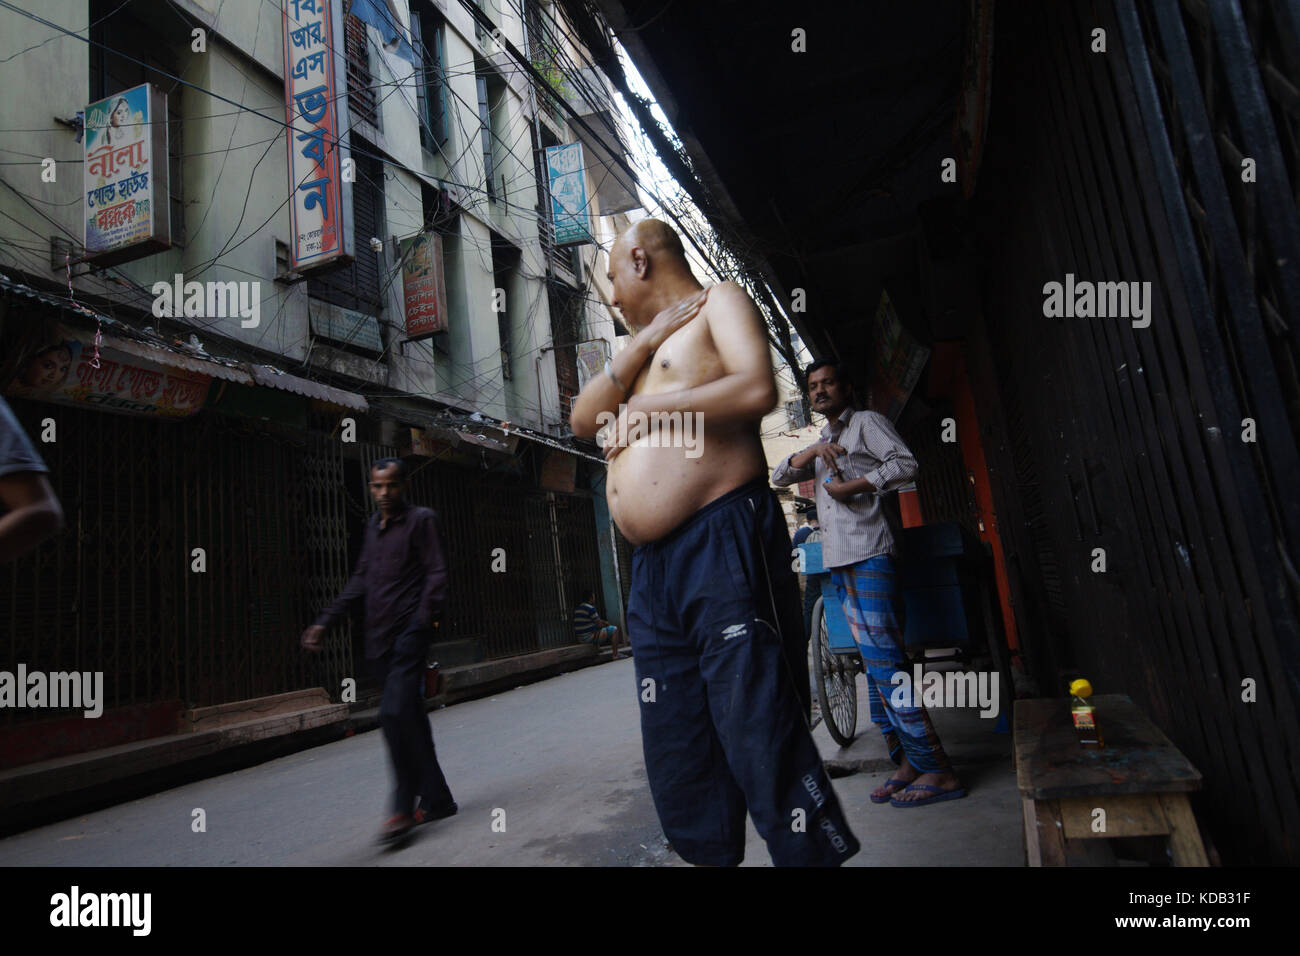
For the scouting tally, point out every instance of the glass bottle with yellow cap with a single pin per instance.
(1084, 714)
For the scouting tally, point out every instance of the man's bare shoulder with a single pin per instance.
(730, 307)
(729, 294)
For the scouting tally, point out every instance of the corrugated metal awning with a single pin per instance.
(244, 373)
(148, 345)
(164, 355)
(457, 428)
(15, 286)
(273, 378)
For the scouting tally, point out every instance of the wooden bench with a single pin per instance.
(1140, 779)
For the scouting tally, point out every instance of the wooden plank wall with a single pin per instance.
(1103, 435)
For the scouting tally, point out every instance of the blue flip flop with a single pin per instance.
(889, 796)
(939, 794)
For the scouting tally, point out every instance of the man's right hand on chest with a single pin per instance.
(671, 319)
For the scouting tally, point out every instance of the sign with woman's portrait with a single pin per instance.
(69, 371)
(127, 213)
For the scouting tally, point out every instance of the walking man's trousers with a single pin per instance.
(406, 725)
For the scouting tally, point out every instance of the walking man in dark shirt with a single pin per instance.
(401, 577)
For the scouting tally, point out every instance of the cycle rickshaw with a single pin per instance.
(945, 575)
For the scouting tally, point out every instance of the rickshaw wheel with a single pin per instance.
(835, 676)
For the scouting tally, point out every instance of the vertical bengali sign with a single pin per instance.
(126, 208)
(422, 285)
(313, 76)
(898, 357)
(569, 212)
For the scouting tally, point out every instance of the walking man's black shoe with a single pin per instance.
(425, 815)
(396, 827)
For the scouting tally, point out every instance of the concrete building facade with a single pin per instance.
(318, 375)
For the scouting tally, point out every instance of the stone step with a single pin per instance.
(98, 768)
(258, 708)
(451, 654)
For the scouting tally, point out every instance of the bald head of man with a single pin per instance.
(649, 271)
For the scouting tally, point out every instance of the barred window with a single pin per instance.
(430, 86)
(362, 102)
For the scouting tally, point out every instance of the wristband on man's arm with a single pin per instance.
(609, 370)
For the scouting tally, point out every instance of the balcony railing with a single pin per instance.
(562, 259)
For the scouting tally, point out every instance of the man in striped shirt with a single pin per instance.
(592, 628)
(859, 460)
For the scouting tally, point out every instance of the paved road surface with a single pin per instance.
(562, 758)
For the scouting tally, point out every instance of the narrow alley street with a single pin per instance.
(562, 759)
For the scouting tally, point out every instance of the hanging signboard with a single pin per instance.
(898, 359)
(422, 285)
(569, 212)
(426, 443)
(126, 207)
(591, 362)
(66, 373)
(320, 210)
(559, 472)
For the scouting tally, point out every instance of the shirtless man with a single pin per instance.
(714, 616)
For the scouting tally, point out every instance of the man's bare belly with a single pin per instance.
(652, 490)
